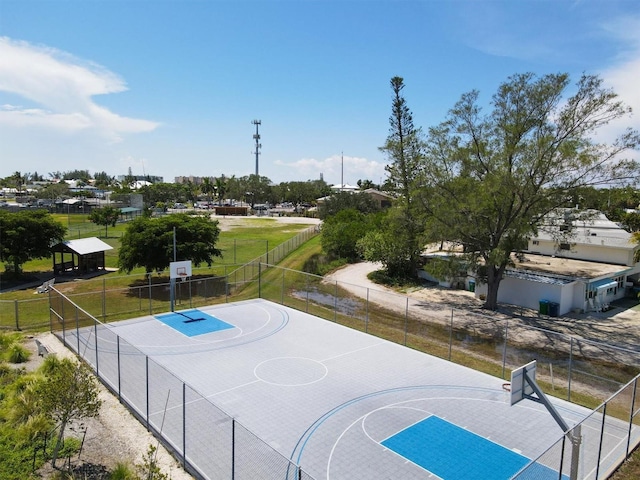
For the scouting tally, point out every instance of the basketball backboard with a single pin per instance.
(520, 389)
(180, 270)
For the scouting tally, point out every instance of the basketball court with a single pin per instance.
(338, 402)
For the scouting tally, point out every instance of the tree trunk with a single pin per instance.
(17, 270)
(58, 444)
(494, 277)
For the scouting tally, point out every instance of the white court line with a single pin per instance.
(352, 352)
(233, 388)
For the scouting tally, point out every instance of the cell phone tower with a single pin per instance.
(257, 123)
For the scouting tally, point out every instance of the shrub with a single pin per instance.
(123, 471)
(16, 353)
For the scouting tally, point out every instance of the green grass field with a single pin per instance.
(241, 241)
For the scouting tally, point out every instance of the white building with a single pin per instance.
(574, 264)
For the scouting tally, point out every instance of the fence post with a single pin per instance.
(259, 280)
(77, 331)
(450, 334)
(282, 294)
(15, 304)
(631, 411)
(184, 425)
(50, 313)
(119, 381)
(570, 368)
(104, 298)
(95, 333)
(307, 307)
(335, 303)
(146, 369)
(406, 320)
(233, 448)
(64, 320)
(504, 348)
(366, 316)
(150, 301)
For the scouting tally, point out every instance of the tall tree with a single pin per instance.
(103, 180)
(208, 188)
(341, 232)
(490, 179)
(27, 235)
(221, 188)
(404, 147)
(148, 242)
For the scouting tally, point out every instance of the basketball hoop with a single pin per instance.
(181, 273)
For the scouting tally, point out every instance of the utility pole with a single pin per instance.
(341, 171)
(258, 144)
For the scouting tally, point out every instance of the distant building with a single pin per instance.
(344, 188)
(141, 178)
(192, 179)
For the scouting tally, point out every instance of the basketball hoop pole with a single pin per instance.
(172, 286)
(574, 436)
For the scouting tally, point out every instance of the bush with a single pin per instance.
(16, 353)
(123, 471)
(320, 264)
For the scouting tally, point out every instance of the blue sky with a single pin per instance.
(170, 87)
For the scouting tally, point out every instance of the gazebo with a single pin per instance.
(83, 255)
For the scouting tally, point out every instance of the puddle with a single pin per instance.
(346, 306)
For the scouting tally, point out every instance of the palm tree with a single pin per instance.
(221, 188)
(208, 188)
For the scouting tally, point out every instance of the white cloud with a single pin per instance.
(62, 87)
(623, 74)
(355, 168)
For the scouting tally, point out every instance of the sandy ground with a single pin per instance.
(619, 326)
(115, 436)
(227, 222)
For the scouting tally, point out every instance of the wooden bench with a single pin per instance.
(42, 350)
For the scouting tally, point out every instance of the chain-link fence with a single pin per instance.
(118, 297)
(209, 443)
(567, 366)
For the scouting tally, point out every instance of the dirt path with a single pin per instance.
(619, 327)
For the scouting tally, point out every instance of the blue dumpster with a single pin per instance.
(554, 309)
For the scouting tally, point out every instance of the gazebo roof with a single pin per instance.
(83, 246)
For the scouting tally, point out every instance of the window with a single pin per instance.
(536, 242)
(565, 246)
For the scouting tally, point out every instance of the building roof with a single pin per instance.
(566, 267)
(85, 246)
(130, 210)
(588, 227)
(344, 187)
